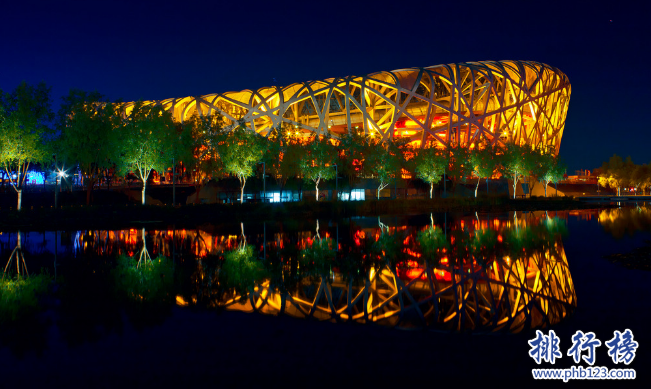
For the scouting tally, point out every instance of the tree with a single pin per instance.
(284, 155)
(199, 138)
(627, 172)
(550, 168)
(646, 183)
(459, 163)
(640, 177)
(20, 293)
(146, 280)
(241, 150)
(433, 243)
(143, 142)
(241, 271)
(385, 161)
(86, 127)
(181, 151)
(517, 161)
(354, 147)
(613, 173)
(24, 117)
(430, 165)
(318, 162)
(483, 163)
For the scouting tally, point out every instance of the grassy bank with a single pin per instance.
(115, 216)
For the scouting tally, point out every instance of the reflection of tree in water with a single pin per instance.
(145, 280)
(89, 308)
(433, 243)
(21, 299)
(388, 246)
(241, 269)
(17, 257)
(146, 283)
(625, 221)
(628, 221)
(529, 239)
(318, 258)
(483, 275)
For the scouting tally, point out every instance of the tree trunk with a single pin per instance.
(144, 186)
(317, 188)
(242, 183)
(89, 189)
(20, 199)
(477, 187)
(515, 183)
(282, 186)
(378, 192)
(545, 188)
(431, 189)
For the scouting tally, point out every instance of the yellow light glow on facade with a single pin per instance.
(472, 101)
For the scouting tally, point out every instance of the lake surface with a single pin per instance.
(452, 273)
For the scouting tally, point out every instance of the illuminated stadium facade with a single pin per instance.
(440, 106)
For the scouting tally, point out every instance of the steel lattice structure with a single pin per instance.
(499, 102)
(532, 292)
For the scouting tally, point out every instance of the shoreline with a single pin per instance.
(120, 216)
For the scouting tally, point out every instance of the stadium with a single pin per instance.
(442, 106)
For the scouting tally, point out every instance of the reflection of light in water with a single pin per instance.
(509, 293)
(621, 221)
(507, 290)
(76, 243)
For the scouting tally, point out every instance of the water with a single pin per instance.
(451, 273)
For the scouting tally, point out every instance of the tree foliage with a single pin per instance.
(483, 163)
(25, 115)
(317, 163)
(19, 296)
(143, 142)
(613, 173)
(86, 128)
(549, 168)
(385, 161)
(618, 173)
(516, 161)
(640, 178)
(198, 145)
(241, 270)
(430, 165)
(284, 154)
(241, 150)
(459, 163)
(354, 148)
(148, 281)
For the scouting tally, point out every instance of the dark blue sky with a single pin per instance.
(159, 49)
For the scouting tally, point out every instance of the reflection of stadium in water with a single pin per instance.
(502, 273)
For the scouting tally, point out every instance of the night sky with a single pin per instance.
(160, 49)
